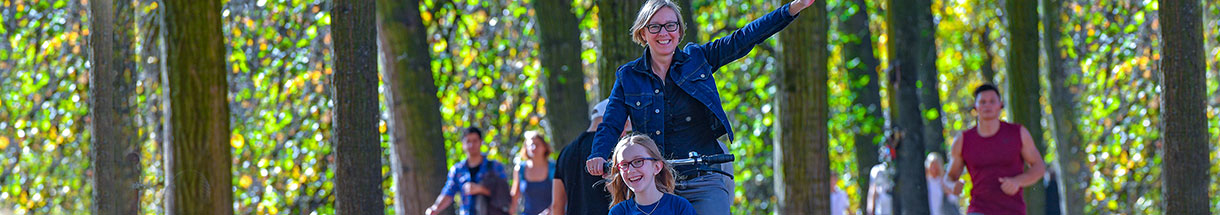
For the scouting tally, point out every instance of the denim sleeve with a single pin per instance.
(739, 43)
(451, 186)
(613, 120)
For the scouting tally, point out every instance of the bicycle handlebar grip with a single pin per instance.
(721, 158)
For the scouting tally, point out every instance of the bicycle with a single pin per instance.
(702, 163)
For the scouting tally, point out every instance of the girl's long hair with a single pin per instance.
(664, 180)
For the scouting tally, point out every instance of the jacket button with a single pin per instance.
(657, 111)
(658, 132)
(702, 75)
(688, 119)
(656, 91)
(637, 103)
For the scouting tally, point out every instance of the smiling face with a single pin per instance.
(637, 178)
(664, 42)
(988, 105)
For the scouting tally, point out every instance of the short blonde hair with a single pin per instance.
(650, 8)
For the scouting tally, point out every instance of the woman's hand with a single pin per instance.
(798, 5)
(594, 166)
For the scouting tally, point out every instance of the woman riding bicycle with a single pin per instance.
(670, 95)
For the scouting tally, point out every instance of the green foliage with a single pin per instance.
(487, 72)
(43, 107)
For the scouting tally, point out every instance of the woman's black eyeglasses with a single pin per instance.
(656, 28)
(636, 163)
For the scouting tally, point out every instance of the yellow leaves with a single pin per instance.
(439, 45)
(245, 181)
(3, 142)
(381, 127)
(425, 15)
(237, 140)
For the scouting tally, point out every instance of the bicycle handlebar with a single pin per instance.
(694, 159)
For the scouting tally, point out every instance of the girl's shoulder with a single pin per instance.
(680, 206)
(619, 209)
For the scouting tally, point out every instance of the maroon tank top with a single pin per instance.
(987, 160)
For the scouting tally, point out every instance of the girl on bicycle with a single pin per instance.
(641, 181)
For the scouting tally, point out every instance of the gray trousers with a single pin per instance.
(709, 194)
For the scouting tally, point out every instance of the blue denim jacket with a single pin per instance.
(636, 92)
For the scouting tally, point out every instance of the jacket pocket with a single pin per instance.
(641, 109)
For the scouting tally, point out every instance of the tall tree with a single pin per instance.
(196, 147)
(691, 32)
(988, 58)
(116, 140)
(1072, 169)
(417, 153)
(1023, 89)
(910, 47)
(866, 106)
(357, 144)
(929, 92)
(617, 48)
(1184, 80)
(566, 106)
(802, 161)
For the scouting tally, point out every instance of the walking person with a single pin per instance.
(531, 189)
(473, 178)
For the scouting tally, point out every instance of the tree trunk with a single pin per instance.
(617, 48)
(116, 140)
(197, 159)
(1023, 88)
(803, 164)
(909, 48)
(988, 58)
(866, 106)
(417, 155)
(1184, 81)
(566, 106)
(357, 143)
(929, 93)
(691, 32)
(1072, 171)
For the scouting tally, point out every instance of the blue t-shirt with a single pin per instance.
(669, 204)
(537, 194)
